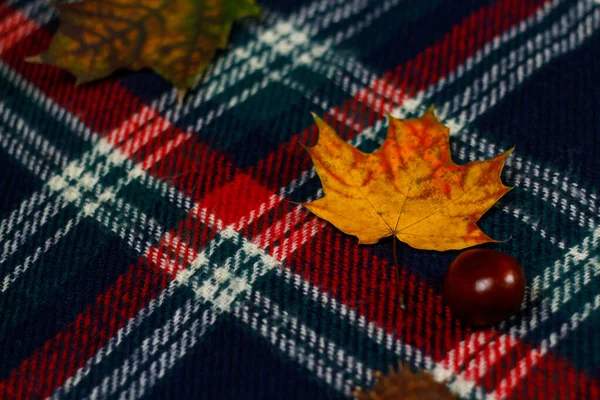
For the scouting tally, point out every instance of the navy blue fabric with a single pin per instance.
(231, 363)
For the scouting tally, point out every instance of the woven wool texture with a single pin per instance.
(148, 250)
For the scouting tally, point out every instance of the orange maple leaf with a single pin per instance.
(409, 187)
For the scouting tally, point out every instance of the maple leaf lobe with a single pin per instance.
(409, 187)
(175, 38)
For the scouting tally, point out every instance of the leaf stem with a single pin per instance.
(397, 268)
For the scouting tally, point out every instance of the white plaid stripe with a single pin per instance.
(301, 344)
(39, 159)
(28, 206)
(18, 128)
(25, 208)
(111, 346)
(186, 339)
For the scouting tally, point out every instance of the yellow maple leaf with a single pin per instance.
(176, 38)
(409, 187)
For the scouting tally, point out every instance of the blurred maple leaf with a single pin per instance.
(404, 384)
(175, 38)
(409, 187)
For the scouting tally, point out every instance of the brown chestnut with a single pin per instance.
(483, 287)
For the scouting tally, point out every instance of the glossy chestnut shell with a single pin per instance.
(483, 287)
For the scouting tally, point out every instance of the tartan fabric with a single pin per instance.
(148, 250)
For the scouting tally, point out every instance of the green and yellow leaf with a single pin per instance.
(175, 38)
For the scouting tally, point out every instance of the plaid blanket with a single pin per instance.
(148, 250)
